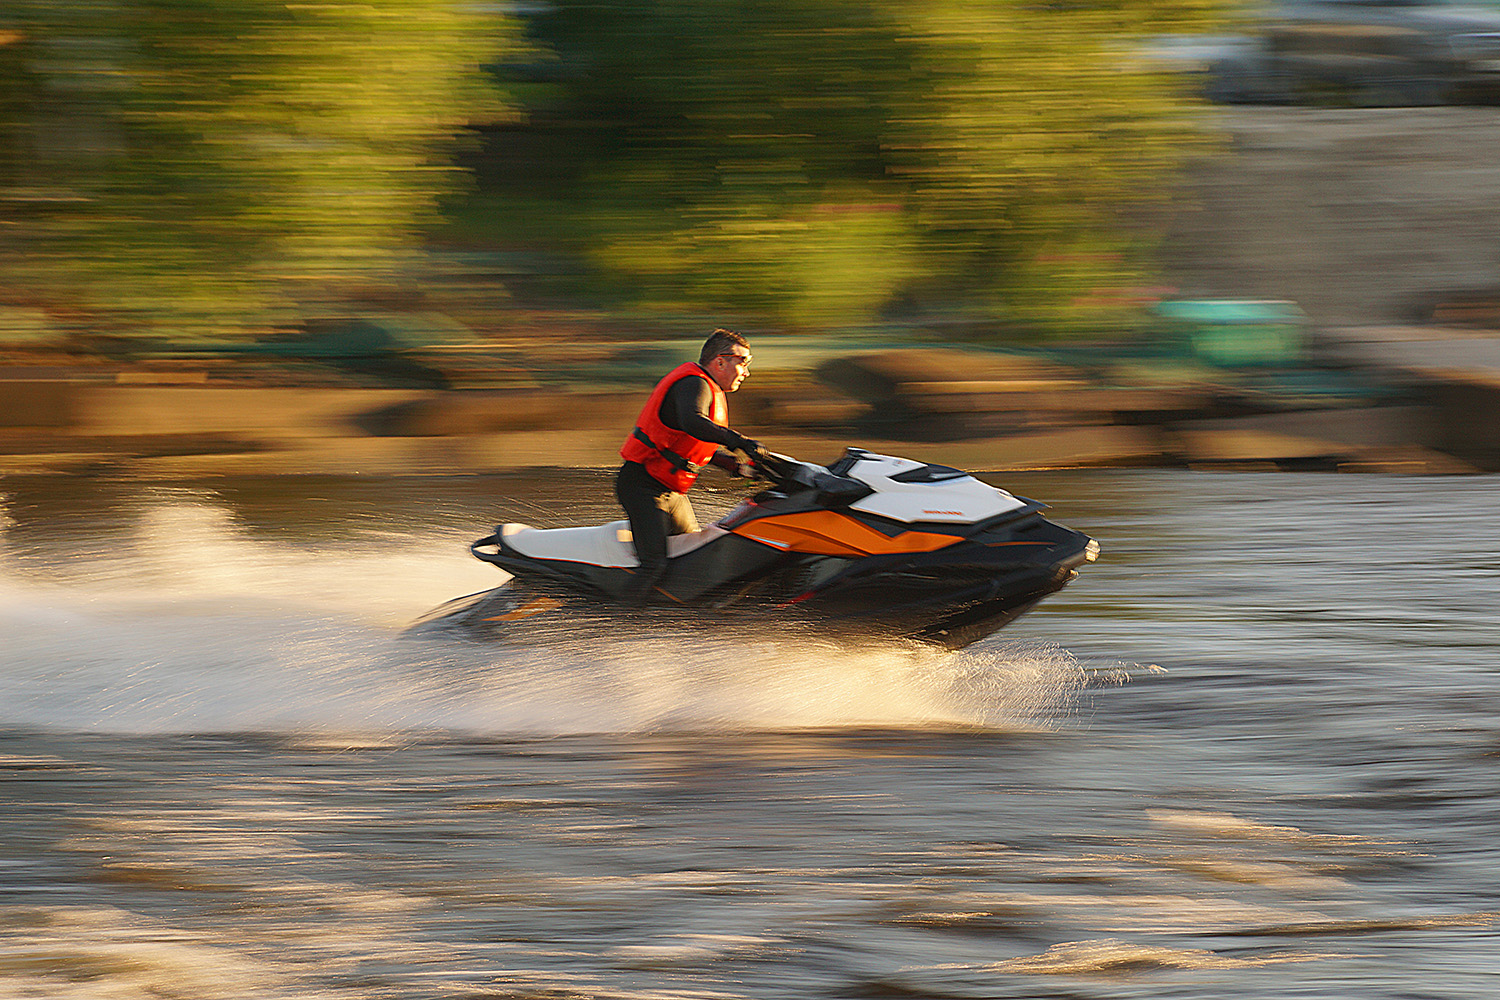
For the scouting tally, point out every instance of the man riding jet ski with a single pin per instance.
(871, 545)
(683, 427)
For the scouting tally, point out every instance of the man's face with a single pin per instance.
(731, 368)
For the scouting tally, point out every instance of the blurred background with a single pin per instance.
(419, 235)
(1250, 753)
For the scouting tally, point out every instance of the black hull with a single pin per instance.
(952, 617)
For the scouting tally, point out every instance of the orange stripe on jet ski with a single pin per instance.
(827, 533)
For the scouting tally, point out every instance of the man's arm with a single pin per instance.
(686, 408)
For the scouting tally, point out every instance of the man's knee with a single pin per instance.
(678, 514)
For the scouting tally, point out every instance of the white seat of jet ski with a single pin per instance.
(599, 545)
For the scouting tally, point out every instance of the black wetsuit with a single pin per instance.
(656, 510)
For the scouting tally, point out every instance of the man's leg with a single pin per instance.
(650, 507)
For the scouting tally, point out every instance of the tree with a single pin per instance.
(826, 162)
(201, 163)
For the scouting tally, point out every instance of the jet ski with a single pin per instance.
(867, 546)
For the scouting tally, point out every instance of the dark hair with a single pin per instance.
(719, 342)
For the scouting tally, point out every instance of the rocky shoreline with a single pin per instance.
(1430, 404)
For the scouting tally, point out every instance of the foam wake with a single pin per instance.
(192, 668)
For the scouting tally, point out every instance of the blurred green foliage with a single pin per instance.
(826, 162)
(200, 165)
(209, 166)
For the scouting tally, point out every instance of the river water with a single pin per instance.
(1253, 752)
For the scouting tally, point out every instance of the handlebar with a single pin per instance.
(789, 474)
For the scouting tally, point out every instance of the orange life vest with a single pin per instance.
(673, 457)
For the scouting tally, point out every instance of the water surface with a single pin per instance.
(1251, 752)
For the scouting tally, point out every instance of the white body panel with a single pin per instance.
(949, 497)
(599, 545)
(959, 499)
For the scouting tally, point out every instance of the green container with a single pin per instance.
(1237, 333)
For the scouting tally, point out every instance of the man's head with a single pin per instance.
(726, 358)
